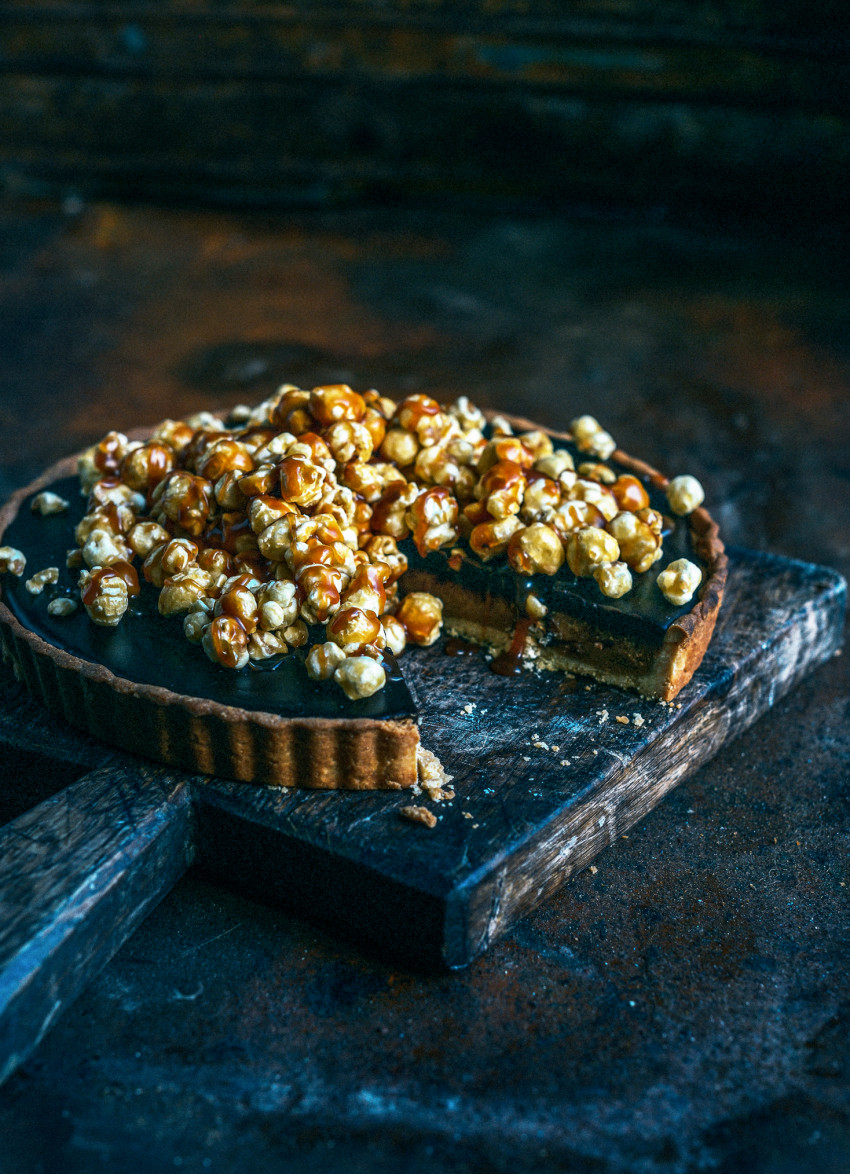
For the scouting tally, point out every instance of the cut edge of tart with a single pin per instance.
(574, 645)
(356, 752)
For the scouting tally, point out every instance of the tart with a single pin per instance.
(302, 544)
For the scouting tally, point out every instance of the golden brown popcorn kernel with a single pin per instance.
(679, 581)
(323, 660)
(46, 503)
(421, 614)
(536, 550)
(685, 494)
(226, 642)
(613, 579)
(360, 676)
(144, 467)
(590, 548)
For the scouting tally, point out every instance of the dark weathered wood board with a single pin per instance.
(79, 871)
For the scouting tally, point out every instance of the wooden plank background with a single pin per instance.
(665, 104)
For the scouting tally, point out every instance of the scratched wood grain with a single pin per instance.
(77, 874)
(545, 779)
(313, 103)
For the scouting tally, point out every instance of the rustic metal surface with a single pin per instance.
(684, 1006)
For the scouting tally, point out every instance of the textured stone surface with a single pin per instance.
(687, 1004)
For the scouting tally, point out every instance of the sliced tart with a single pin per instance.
(231, 597)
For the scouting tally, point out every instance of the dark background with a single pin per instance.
(632, 208)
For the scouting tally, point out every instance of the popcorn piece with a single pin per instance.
(421, 615)
(46, 503)
(679, 581)
(12, 561)
(591, 437)
(61, 606)
(105, 596)
(360, 676)
(536, 550)
(590, 548)
(323, 660)
(685, 494)
(40, 579)
(614, 579)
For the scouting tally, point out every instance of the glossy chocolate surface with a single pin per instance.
(150, 649)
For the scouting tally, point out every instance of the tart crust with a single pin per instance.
(355, 753)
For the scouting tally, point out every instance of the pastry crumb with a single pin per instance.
(594, 869)
(637, 720)
(565, 762)
(602, 714)
(468, 815)
(432, 776)
(622, 719)
(419, 815)
(540, 746)
(392, 785)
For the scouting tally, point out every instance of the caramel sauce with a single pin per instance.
(629, 493)
(455, 647)
(231, 532)
(98, 495)
(160, 463)
(509, 662)
(240, 604)
(113, 516)
(106, 457)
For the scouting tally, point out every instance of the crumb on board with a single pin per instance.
(432, 776)
(602, 714)
(540, 745)
(594, 869)
(637, 720)
(419, 815)
(468, 815)
(622, 719)
(565, 762)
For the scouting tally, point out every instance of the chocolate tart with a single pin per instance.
(142, 688)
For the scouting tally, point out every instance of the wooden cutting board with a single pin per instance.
(545, 778)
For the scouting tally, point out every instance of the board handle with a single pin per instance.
(77, 874)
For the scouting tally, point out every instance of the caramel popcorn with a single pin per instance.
(291, 515)
(679, 580)
(12, 561)
(685, 494)
(46, 503)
